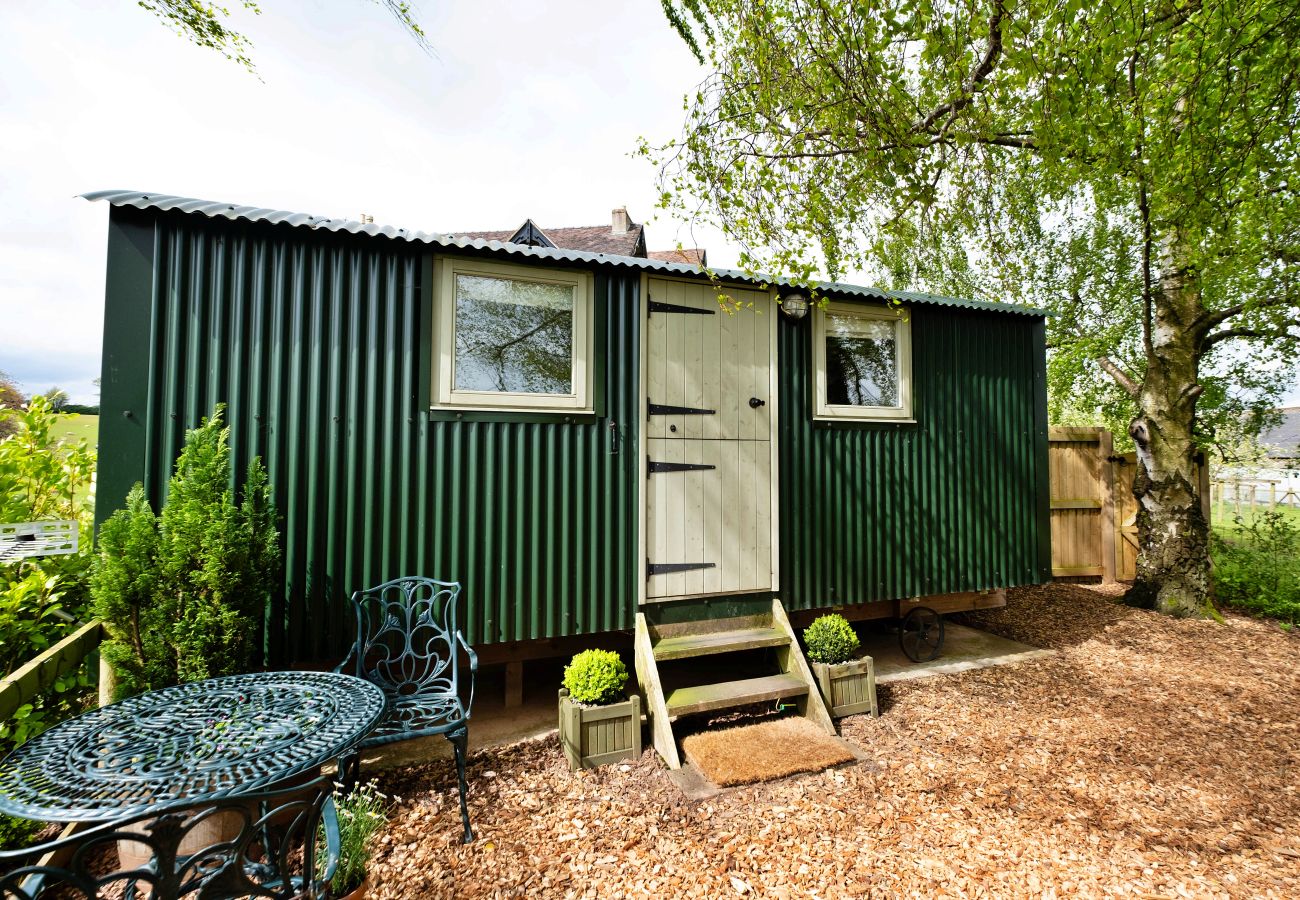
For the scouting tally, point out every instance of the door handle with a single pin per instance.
(755, 403)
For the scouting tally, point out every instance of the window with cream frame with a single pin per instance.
(512, 337)
(862, 358)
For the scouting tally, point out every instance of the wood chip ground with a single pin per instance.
(1148, 758)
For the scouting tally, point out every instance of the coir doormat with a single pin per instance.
(765, 751)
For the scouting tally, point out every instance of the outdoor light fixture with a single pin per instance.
(795, 305)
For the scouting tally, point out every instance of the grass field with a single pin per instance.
(1227, 522)
(75, 427)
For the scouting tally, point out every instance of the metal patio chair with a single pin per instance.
(408, 644)
(286, 848)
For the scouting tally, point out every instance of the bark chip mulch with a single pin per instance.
(749, 753)
(1148, 758)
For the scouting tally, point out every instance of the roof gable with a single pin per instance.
(584, 238)
(530, 235)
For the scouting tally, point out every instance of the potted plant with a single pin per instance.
(848, 684)
(363, 813)
(599, 723)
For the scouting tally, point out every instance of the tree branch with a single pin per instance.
(982, 70)
(1211, 319)
(1122, 378)
(1228, 334)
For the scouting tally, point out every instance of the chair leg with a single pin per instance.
(460, 743)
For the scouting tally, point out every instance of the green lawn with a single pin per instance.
(1227, 523)
(75, 427)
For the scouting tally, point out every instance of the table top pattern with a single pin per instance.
(195, 741)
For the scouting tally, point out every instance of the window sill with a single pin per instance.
(860, 420)
(504, 414)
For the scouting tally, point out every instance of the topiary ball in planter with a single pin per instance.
(831, 640)
(596, 677)
(595, 728)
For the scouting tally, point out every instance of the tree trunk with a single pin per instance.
(1173, 564)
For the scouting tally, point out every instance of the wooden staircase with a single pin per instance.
(673, 645)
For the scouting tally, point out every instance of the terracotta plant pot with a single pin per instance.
(358, 893)
(849, 687)
(597, 735)
(216, 828)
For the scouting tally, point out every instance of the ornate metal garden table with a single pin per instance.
(196, 741)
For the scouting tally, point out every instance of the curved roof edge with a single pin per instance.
(235, 212)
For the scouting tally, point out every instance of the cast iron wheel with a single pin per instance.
(921, 634)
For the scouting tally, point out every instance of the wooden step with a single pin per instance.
(704, 643)
(727, 694)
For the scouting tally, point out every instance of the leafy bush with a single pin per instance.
(1257, 566)
(362, 814)
(596, 677)
(41, 599)
(831, 639)
(17, 833)
(182, 593)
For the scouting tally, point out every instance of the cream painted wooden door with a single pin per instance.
(708, 442)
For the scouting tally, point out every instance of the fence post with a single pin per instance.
(1109, 527)
(1203, 485)
(107, 681)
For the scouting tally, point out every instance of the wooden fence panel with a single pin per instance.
(34, 678)
(1082, 499)
(1126, 509)
(1094, 512)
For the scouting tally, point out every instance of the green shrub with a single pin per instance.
(41, 599)
(1257, 566)
(42, 478)
(831, 639)
(596, 677)
(182, 593)
(362, 814)
(16, 834)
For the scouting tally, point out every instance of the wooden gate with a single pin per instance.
(1094, 512)
(1082, 501)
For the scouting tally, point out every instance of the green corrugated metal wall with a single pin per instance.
(320, 346)
(956, 502)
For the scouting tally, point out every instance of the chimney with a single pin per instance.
(621, 221)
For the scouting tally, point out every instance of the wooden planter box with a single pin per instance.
(849, 687)
(596, 735)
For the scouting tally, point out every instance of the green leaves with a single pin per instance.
(596, 677)
(1028, 151)
(830, 639)
(182, 593)
(1257, 565)
(204, 24)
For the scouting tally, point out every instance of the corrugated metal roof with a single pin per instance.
(236, 212)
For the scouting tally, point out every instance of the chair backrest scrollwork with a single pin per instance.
(406, 637)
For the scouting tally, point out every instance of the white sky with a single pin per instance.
(527, 110)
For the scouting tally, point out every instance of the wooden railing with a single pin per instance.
(1235, 496)
(36, 677)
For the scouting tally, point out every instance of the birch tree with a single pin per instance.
(1131, 164)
